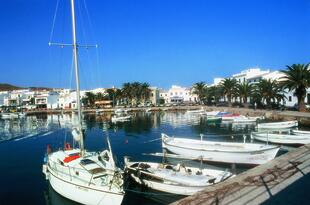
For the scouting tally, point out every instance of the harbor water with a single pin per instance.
(23, 145)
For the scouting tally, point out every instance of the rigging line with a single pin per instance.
(82, 39)
(54, 20)
(83, 28)
(92, 33)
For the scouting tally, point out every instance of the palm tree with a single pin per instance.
(297, 78)
(145, 91)
(213, 94)
(200, 89)
(229, 86)
(269, 90)
(111, 95)
(245, 90)
(89, 99)
(136, 91)
(127, 92)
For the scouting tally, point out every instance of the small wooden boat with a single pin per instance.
(281, 138)
(224, 152)
(174, 179)
(278, 125)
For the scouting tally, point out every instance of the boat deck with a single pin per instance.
(284, 180)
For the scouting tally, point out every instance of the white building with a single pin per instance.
(3, 95)
(154, 96)
(178, 94)
(251, 73)
(254, 75)
(47, 100)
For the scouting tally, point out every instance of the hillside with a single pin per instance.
(8, 87)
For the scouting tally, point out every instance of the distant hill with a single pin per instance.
(9, 87)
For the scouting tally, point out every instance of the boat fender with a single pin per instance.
(67, 146)
(49, 149)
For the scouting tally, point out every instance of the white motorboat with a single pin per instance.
(21, 114)
(89, 178)
(243, 119)
(123, 118)
(224, 152)
(148, 110)
(119, 111)
(9, 115)
(281, 138)
(200, 111)
(212, 113)
(278, 125)
(174, 179)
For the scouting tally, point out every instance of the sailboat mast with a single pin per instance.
(77, 80)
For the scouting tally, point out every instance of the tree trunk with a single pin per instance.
(268, 103)
(245, 102)
(229, 101)
(301, 104)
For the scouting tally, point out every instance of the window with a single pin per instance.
(290, 98)
(171, 93)
(176, 93)
(181, 93)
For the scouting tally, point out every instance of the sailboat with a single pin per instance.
(82, 176)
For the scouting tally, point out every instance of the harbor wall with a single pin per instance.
(272, 115)
(283, 180)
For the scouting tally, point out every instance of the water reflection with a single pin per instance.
(29, 137)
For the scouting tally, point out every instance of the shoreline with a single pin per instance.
(276, 115)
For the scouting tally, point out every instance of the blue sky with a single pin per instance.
(162, 42)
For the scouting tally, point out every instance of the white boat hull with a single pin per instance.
(234, 158)
(169, 188)
(255, 157)
(121, 119)
(301, 132)
(9, 116)
(282, 138)
(278, 125)
(82, 194)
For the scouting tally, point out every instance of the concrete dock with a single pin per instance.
(284, 180)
